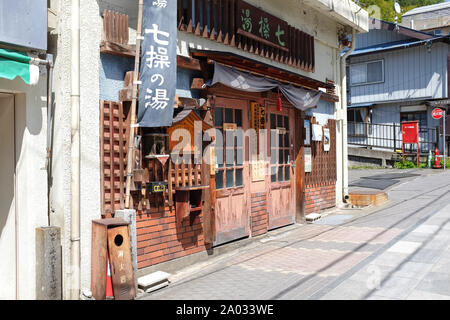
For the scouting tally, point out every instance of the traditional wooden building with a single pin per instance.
(185, 209)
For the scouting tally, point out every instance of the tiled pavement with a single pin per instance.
(399, 251)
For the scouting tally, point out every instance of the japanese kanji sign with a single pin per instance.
(158, 64)
(262, 25)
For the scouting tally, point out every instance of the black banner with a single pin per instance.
(158, 73)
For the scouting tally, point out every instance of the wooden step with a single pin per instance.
(366, 198)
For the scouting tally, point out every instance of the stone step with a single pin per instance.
(312, 217)
(154, 281)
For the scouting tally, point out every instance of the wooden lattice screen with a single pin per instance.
(323, 162)
(113, 153)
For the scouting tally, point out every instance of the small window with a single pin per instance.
(356, 122)
(279, 154)
(415, 116)
(367, 73)
(218, 117)
(230, 151)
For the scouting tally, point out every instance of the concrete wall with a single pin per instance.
(323, 112)
(31, 184)
(91, 30)
(112, 74)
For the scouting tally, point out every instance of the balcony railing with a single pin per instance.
(389, 137)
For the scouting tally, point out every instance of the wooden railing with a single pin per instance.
(221, 21)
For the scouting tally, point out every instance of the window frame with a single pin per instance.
(366, 63)
(222, 170)
(425, 113)
(365, 121)
(285, 163)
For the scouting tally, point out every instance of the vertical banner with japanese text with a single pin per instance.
(158, 72)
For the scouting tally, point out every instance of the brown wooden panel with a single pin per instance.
(180, 14)
(212, 28)
(98, 261)
(281, 198)
(121, 264)
(231, 209)
(323, 163)
(299, 150)
(113, 146)
(115, 27)
(205, 19)
(226, 22)
(233, 23)
(219, 21)
(224, 27)
(189, 27)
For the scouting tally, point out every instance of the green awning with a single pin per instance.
(18, 64)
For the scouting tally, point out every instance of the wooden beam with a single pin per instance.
(188, 63)
(197, 83)
(129, 51)
(258, 39)
(118, 49)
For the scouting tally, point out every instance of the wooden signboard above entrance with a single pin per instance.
(261, 26)
(239, 24)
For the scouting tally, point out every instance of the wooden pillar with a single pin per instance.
(299, 150)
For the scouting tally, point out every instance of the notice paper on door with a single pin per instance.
(326, 139)
(317, 132)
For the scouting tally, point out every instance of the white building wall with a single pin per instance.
(91, 30)
(31, 179)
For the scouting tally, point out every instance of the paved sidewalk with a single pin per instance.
(398, 251)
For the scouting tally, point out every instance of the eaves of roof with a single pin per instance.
(398, 45)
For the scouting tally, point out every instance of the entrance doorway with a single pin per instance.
(281, 186)
(8, 221)
(232, 171)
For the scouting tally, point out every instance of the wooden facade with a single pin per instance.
(182, 209)
(222, 21)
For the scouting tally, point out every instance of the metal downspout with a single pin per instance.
(75, 154)
(50, 118)
(343, 117)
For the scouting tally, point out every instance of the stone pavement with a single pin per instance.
(398, 251)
